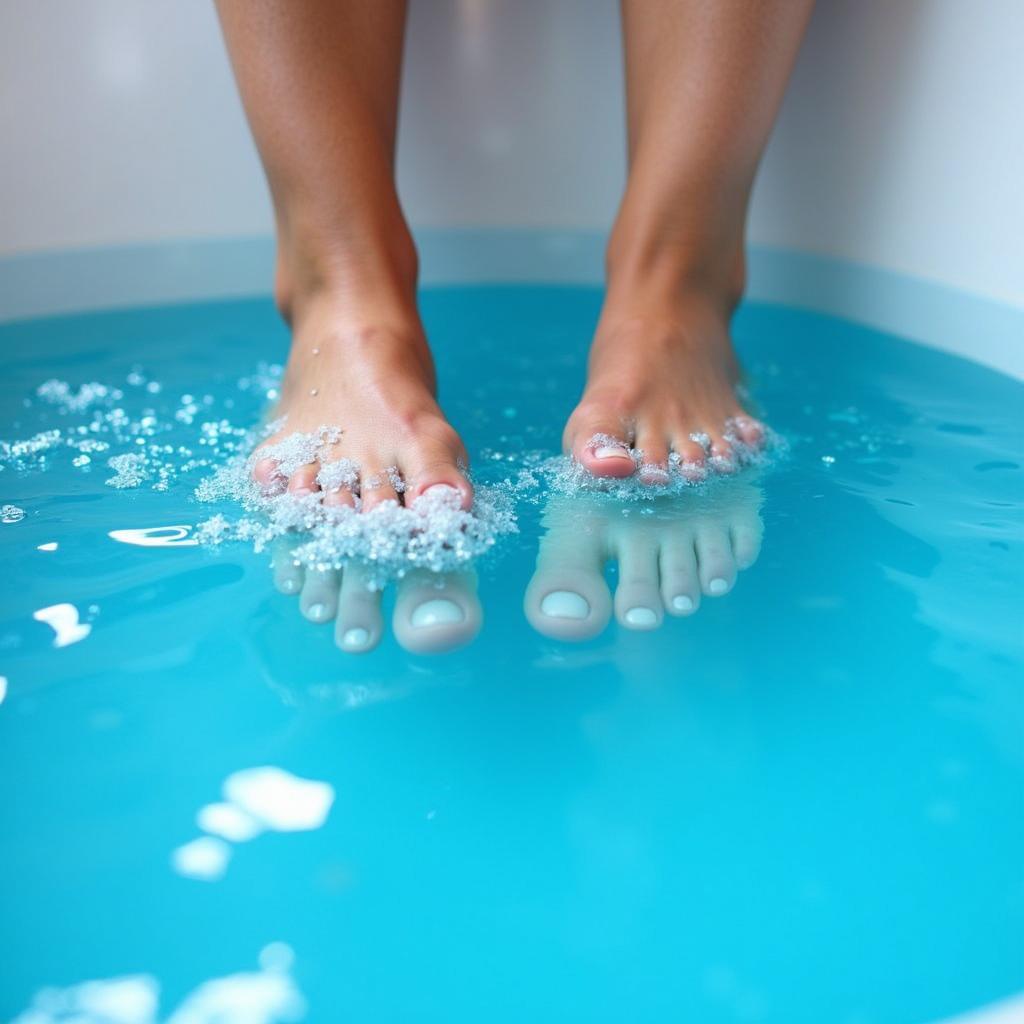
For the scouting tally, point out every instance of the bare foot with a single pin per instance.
(434, 612)
(368, 372)
(661, 378)
(688, 545)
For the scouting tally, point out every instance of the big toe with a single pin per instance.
(600, 444)
(568, 602)
(437, 463)
(436, 613)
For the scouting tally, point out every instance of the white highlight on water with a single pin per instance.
(156, 537)
(266, 996)
(229, 822)
(279, 800)
(205, 858)
(63, 620)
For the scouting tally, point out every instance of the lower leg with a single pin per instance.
(319, 80)
(704, 82)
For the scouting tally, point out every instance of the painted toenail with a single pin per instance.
(316, 611)
(438, 612)
(641, 617)
(439, 488)
(355, 637)
(609, 451)
(682, 603)
(717, 586)
(564, 604)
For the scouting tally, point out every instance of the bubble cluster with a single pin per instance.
(146, 437)
(388, 541)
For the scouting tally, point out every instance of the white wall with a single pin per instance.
(901, 143)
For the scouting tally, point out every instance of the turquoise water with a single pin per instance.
(802, 803)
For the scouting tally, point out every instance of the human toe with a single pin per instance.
(435, 613)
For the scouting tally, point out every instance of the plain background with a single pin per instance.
(901, 144)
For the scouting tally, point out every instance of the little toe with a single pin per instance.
(637, 597)
(303, 481)
(680, 585)
(318, 601)
(358, 626)
(288, 574)
(716, 566)
(435, 613)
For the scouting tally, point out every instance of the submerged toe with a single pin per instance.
(436, 613)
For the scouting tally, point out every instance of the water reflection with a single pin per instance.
(669, 552)
(268, 995)
(256, 800)
(433, 611)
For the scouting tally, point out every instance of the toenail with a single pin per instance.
(609, 451)
(301, 492)
(438, 488)
(682, 603)
(289, 586)
(717, 586)
(641, 617)
(438, 612)
(316, 611)
(650, 474)
(355, 637)
(564, 604)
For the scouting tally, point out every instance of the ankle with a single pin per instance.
(376, 268)
(643, 270)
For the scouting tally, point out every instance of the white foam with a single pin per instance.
(266, 996)
(63, 620)
(229, 822)
(388, 541)
(205, 858)
(279, 800)
(255, 997)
